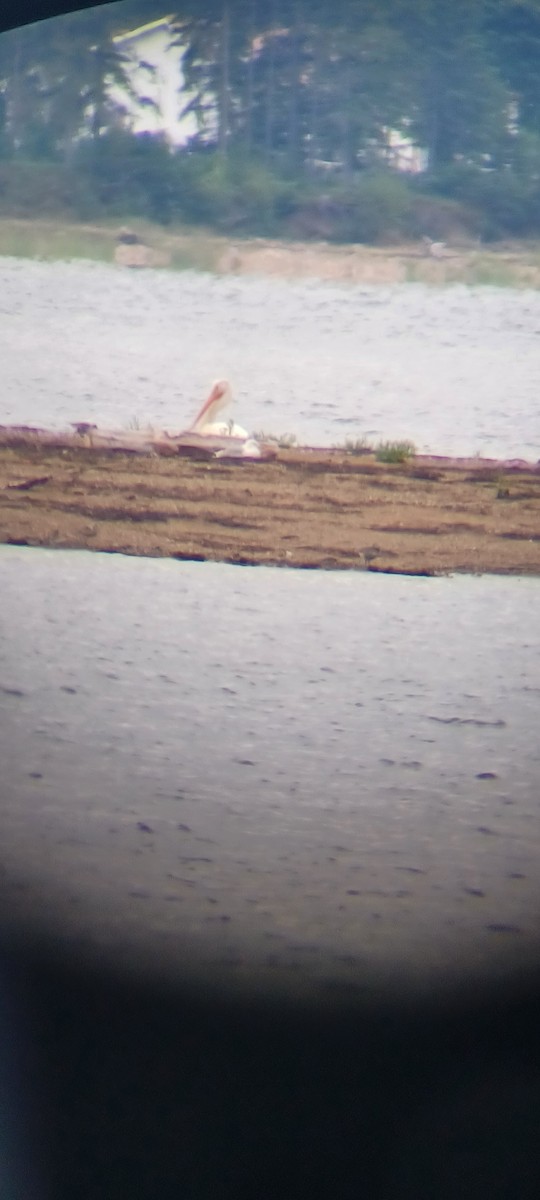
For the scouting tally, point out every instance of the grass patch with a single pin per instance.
(135, 425)
(352, 445)
(395, 452)
(494, 272)
(182, 247)
(489, 269)
(284, 441)
(193, 252)
(501, 484)
(53, 240)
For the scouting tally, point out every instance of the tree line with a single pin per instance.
(297, 106)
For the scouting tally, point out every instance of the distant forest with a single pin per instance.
(297, 105)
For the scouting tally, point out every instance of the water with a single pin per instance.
(456, 370)
(313, 778)
(280, 776)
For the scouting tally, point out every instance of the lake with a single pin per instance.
(455, 370)
(285, 779)
(305, 780)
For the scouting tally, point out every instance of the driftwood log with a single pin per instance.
(85, 436)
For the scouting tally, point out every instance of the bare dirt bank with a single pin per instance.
(513, 263)
(307, 508)
(507, 264)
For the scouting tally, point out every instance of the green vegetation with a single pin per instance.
(295, 109)
(284, 441)
(476, 268)
(351, 445)
(487, 270)
(394, 452)
(184, 247)
(53, 239)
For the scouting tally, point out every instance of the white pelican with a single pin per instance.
(220, 396)
(434, 249)
(248, 449)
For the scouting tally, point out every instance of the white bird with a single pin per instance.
(220, 396)
(248, 449)
(434, 249)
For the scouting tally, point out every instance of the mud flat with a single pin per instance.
(307, 508)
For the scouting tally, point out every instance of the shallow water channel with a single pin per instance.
(308, 780)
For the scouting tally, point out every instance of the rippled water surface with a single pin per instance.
(456, 370)
(324, 777)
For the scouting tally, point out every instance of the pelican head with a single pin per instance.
(220, 396)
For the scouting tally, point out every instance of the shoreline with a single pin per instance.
(510, 263)
(310, 508)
